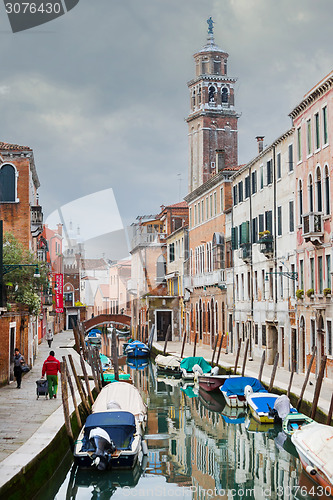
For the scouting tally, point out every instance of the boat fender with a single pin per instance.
(247, 391)
(197, 370)
(144, 447)
(311, 470)
(215, 370)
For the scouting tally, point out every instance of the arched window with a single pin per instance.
(327, 191)
(310, 194)
(7, 183)
(224, 95)
(204, 317)
(211, 94)
(193, 99)
(208, 318)
(160, 269)
(199, 95)
(300, 200)
(218, 251)
(319, 191)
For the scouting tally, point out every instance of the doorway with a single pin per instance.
(163, 320)
(12, 332)
(293, 350)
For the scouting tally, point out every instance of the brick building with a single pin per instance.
(22, 216)
(212, 159)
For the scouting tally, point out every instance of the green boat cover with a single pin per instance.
(109, 377)
(104, 359)
(188, 364)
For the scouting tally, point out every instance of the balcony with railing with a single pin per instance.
(212, 278)
(146, 239)
(36, 217)
(313, 226)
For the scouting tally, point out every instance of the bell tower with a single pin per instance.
(212, 121)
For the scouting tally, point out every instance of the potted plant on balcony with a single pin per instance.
(310, 293)
(327, 292)
(300, 293)
(266, 242)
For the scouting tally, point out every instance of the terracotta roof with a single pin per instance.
(181, 204)
(13, 147)
(91, 264)
(104, 290)
(237, 167)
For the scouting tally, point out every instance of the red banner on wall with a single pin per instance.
(59, 293)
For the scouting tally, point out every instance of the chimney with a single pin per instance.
(260, 141)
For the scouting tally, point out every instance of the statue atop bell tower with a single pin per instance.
(212, 120)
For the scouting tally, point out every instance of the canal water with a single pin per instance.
(198, 449)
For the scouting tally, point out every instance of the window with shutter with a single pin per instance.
(7, 183)
(268, 221)
(234, 238)
(261, 223)
(247, 187)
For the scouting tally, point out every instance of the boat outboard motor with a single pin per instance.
(104, 446)
(197, 370)
(282, 406)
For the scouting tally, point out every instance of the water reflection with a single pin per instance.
(198, 449)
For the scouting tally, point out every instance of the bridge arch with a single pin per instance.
(105, 319)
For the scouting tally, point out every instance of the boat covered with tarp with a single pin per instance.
(137, 349)
(168, 365)
(112, 434)
(192, 364)
(233, 389)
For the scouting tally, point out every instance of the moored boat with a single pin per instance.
(261, 405)
(211, 382)
(94, 336)
(294, 421)
(314, 445)
(188, 366)
(168, 365)
(137, 349)
(112, 434)
(233, 390)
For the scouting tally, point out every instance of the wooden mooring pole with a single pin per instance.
(261, 365)
(299, 402)
(168, 332)
(245, 355)
(65, 406)
(114, 352)
(71, 387)
(195, 344)
(183, 344)
(79, 386)
(237, 355)
(318, 386)
(219, 351)
(291, 378)
(86, 379)
(215, 345)
(275, 365)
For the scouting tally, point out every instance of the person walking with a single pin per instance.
(18, 362)
(51, 367)
(49, 337)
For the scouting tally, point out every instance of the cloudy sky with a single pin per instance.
(101, 95)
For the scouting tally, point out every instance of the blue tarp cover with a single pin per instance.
(137, 348)
(229, 420)
(188, 364)
(189, 391)
(236, 385)
(262, 404)
(120, 425)
(94, 332)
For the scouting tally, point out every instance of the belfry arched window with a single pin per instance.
(7, 183)
(224, 95)
(211, 94)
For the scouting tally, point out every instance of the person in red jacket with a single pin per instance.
(51, 367)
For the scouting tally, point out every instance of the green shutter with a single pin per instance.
(245, 232)
(234, 241)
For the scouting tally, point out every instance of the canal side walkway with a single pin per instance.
(28, 424)
(252, 368)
